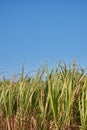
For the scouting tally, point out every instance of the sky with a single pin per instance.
(35, 31)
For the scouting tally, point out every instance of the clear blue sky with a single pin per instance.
(32, 31)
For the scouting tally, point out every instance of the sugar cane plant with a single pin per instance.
(52, 99)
